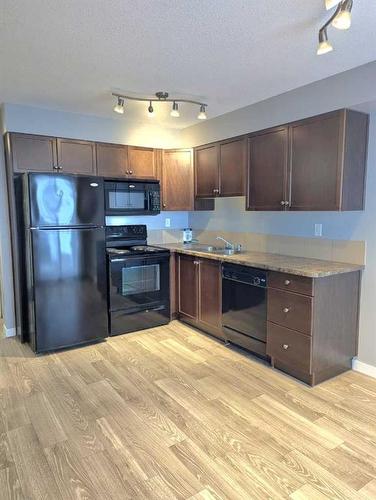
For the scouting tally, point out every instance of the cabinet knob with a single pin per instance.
(286, 309)
(216, 191)
(283, 203)
(285, 346)
(164, 205)
(287, 282)
(55, 167)
(131, 172)
(196, 262)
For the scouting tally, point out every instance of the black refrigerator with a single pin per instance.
(65, 260)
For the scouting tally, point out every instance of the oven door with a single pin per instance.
(139, 283)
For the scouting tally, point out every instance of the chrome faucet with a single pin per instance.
(229, 245)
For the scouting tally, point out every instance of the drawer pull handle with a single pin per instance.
(285, 346)
(286, 309)
(287, 282)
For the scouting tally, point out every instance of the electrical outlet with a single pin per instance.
(318, 229)
(167, 222)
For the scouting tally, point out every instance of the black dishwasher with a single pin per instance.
(244, 295)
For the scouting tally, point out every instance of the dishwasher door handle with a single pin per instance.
(244, 282)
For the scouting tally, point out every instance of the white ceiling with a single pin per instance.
(69, 54)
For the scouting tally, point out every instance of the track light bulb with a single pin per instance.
(324, 45)
(175, 110)
(342, 21)
(119, 107)
(329, 4)
(202, 113)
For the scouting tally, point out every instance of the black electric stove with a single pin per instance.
(139, 280)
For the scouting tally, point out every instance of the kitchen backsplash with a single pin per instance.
(337, 250)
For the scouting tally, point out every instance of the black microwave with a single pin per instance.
(132, 198)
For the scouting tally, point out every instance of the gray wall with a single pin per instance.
(349, 89)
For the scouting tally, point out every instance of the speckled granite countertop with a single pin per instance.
(301, 266)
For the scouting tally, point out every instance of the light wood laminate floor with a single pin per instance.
(170, 413)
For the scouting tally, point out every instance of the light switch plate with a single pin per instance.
(167, 222)
(318, 229)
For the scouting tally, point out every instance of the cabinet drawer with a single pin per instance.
(291, 348)
(290, 310)
(299, 284)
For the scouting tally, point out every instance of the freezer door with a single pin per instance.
(70, 293)
(65, 200)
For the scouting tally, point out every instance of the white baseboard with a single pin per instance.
(9, 332)
(361, 367)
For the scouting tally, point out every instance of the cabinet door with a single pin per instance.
(315, 163)
(207, 171)
(33, 153)
(112, 160)
(188, 286)
(177, 180)
(267, 170)
(142, 163)
(232, 167)
(76, 157)
(210, 297)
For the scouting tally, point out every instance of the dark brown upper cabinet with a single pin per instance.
(76, 157)
(142, 163)
(36, 153)
(220, 168)
(232, 167)
(328, 161)
(33, 153)
(177, 180)
(207, 171)
(314, 164)
(267, 170)
(112, 160)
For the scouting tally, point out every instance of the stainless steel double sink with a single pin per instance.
(210, 249)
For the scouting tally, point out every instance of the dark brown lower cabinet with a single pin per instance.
(313, 332)
(312, 323)
(200, 293)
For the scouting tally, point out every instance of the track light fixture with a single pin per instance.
(151, 109)
(175, 110)
(119, 106)
(329, 4)
(202, 113)
(341, 19)
(324, 44)
(159, 97)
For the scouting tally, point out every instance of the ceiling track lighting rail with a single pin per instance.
(159, 97)
(341, 19)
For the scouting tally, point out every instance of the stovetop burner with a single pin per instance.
(136, 250)
(145, 248)
(118, 251)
